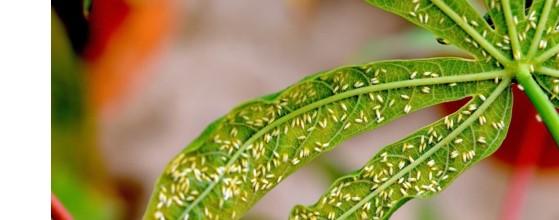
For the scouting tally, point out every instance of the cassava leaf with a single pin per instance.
(244, 154)
(247, 152)
(419, 165)
(543, 28)
(426, 162)
(536, 25)
(455, 21)
(536, 32)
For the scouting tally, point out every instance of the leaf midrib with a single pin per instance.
(373, 88)
(511, 29)
(548, 71)
(472, 32)
(500, 88)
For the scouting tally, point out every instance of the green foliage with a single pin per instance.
(419, 165)
(77, 176)
(244, 154)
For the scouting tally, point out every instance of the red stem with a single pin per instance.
(58, 212)
(529, 153)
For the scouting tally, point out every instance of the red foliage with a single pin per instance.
(125, 35)
(57, 210)
(106, 17)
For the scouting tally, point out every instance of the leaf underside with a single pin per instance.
(418, 166)
(244, 154)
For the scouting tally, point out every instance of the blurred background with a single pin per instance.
(134, 81)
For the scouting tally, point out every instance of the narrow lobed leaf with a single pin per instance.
(247, 152)
(420, 165)
(244, 154)
(455, 21)
(540, 27)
